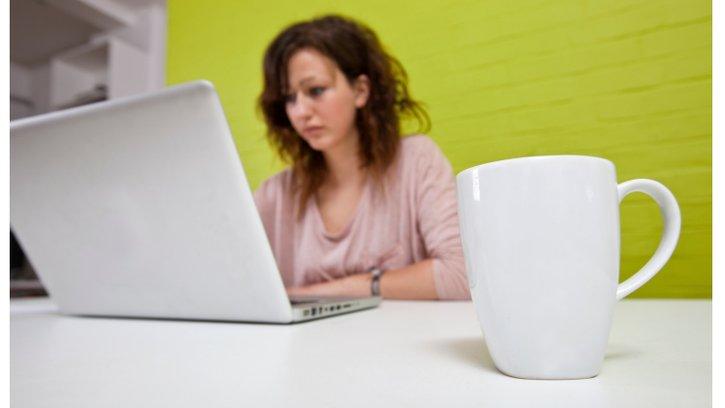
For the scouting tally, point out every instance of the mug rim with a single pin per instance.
(497, 163)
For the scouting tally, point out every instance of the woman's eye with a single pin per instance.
(316, 91)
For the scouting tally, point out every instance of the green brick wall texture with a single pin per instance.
(626, 80)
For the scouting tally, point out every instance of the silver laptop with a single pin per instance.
(139, 207)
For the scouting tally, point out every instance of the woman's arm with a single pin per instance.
(437, 217)
(414, 281)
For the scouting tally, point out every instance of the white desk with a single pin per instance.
(403, 354)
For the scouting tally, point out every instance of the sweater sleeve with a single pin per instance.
(274, 208)
(438, 221)
(264, 199)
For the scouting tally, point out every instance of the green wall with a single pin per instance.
(626, 80)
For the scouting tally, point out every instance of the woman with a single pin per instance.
(361, 210)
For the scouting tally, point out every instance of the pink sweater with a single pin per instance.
(413, 219)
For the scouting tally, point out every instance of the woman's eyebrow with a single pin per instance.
(303, 81)
(306, 79)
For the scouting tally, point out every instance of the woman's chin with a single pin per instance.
(320, 143)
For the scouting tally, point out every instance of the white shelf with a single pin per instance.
(103, 69)
(92, 57)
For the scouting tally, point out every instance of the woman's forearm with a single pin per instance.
(410, 282)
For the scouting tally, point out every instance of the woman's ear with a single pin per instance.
(361, 88)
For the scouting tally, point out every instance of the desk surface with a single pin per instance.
(400, 354)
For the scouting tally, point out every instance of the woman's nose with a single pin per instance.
(301, 108)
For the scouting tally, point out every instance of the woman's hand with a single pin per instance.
(350, 286)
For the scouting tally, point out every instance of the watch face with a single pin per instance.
(375, 282)
(375, 288)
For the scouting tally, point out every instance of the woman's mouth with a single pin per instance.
(312, 130)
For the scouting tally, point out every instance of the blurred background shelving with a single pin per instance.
(68, 53)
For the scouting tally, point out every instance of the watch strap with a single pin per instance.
(376, 273)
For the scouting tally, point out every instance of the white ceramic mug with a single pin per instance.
(541, 241)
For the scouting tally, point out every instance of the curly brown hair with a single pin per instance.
(356, 50)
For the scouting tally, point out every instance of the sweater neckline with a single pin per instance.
(353, 220)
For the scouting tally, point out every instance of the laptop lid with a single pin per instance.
(140, 207)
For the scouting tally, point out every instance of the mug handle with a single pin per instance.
(670, 213)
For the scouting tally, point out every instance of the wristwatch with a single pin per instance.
(377, 273)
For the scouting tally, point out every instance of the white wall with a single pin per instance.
(157, 46)
(68, 81)
(124, 77)
(41, 88)
(21, 92)
(20, 81)
(29, 90)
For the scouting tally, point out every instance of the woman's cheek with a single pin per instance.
(342, 118)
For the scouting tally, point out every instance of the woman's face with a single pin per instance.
(321, 103)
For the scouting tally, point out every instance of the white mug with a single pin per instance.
(541, 241)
